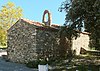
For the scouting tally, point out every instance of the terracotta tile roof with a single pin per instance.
(38, 23)
(86, 33)
(52, 26)
(55, 25)
(32, 22)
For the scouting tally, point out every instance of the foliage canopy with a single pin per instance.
(83, 14)
(9, 14)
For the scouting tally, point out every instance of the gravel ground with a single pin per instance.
(8, 66)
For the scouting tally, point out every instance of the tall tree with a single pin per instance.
(9, 14)
(83, 13)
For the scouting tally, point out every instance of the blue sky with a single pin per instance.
(33, 9)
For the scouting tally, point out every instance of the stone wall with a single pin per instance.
(27, 42)
(21, 42)
(47, 44)
(82, 41)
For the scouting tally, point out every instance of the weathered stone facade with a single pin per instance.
(47, 43)
(80, 42)
(21, 42)
(29, 40)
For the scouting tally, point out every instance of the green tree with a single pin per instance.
(83, 14)
(9, 14)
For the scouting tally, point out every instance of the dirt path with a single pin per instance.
(8, 66)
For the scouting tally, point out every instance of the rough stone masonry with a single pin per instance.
(30, 40)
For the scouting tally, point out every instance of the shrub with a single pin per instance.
(43, 62)
(34, 64)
